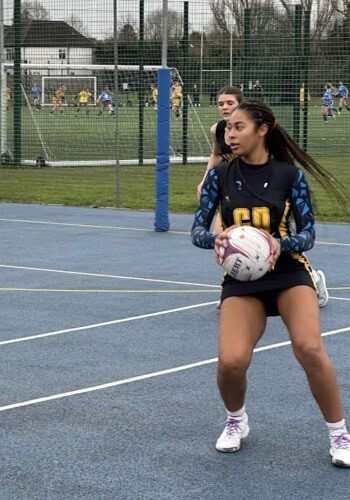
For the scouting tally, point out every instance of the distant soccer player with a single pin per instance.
(36, 93)
(84, 97)
(8, 96)
(334, 94)
(58, 99)
(327, 102)
(106, 97)
(154, 102)
(176, 100)
(302, 96)
(343, 95)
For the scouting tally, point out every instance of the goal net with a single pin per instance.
(67, 134)
(73, 85)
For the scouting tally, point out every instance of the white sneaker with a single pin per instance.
(340, 450)
(235, 430)
(323, 295)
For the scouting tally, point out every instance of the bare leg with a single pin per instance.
(242, 323)
(299, 310)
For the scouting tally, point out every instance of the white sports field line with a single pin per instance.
(120, 228)
(106, 323)
(132, 278)
(146, 376)
(108, 276)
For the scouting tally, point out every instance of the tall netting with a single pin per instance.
(92, 129)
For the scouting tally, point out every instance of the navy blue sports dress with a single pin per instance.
(269, 196)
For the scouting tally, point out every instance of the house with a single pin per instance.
(50, 42)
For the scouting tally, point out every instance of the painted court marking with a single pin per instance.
(106, 323)
(120, 228)
(339, 298)
(146, 376)
(52, 290)
(108, 276)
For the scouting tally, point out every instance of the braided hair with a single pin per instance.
(283, 148)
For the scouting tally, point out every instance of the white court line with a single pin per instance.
(106, 323)
(332, 243)
(146, 376)
(120, 228)
(108, 276)
(67, 290)
(338, 288)
(339, 298)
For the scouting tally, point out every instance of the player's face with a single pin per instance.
(227, 103)
(242, 135)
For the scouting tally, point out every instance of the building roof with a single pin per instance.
(47, 34)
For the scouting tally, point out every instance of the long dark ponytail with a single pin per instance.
(284, 148)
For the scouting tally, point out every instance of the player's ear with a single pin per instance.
(263, 129)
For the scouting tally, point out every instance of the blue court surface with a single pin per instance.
(108, 341)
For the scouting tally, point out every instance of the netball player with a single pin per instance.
(262, 187)
(228, 100)
(343, 95)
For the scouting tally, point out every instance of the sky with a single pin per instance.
(97, 16)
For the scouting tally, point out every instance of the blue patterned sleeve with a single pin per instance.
(301, 205)
(201, 235)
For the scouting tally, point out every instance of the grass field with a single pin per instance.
(89, 138)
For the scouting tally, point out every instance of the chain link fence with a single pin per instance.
(74, 133)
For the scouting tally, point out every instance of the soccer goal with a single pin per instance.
(73, 85)
(85, 135)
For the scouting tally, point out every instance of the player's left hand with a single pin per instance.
(275, 251)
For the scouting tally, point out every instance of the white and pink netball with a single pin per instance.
(246, 257)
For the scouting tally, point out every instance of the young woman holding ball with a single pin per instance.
(263, 188)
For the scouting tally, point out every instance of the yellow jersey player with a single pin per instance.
(176, 100)
(58, 99)
(84, 98)
(154, 97)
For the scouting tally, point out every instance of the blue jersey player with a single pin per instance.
(343, 94)
(106, 98)
(327, 102)
(36, 94)
(263, 188)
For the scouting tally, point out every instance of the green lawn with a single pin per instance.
(96, 186)
(88, 138)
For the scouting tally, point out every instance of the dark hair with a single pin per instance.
(285, 149)
(230, 90)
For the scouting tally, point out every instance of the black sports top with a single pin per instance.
(225, 150)
(264, 196)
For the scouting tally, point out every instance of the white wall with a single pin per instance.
(44, 55)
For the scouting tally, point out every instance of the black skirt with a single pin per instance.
(291, 270)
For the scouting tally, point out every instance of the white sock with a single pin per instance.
(336, 428)
(236, 414)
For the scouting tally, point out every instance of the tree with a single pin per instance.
(154, 23)
(127, 33)
(33, 11)
(76, 23)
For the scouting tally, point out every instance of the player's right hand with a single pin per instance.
(221, 244)
(199, 189)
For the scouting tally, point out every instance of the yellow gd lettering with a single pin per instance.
(260, 217)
